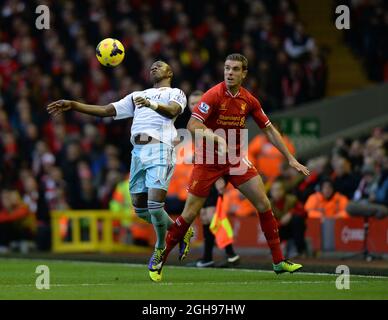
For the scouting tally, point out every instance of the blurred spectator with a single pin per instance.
(367, 35)
(326, 203)
(33, 197)
(298, 43)
(356, 155)
(88, 197)
(129, 229)
(293, 86)
(319, 169)
(234, 203)
(344, 180)
(266, 157)
(105, 191)
(290, 214)
(17, 223)
(316, 71)
(371, 196)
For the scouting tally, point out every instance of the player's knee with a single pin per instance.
(192, 208)
(139, 200)
(263, 204)
(189, 214)
(156, 209)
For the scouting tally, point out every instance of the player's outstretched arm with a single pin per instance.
(57, 107)
(276, 139)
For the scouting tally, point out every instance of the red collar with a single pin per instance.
(228, 93)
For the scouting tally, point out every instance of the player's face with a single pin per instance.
(234, 73)
(193, 100)
(160, 70)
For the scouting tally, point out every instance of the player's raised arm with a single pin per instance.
(199, 130)
(276, 139)
(170, 110)
(57, 107)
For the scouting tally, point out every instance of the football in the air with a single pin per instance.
(110, 52)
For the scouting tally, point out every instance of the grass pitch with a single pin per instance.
(90, 280)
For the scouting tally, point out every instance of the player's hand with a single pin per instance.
(141, 102)
(57, 107)
(299, 167)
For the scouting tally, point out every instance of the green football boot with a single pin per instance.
(155, 265)
(286, 266)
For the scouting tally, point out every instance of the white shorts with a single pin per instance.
(152, 167)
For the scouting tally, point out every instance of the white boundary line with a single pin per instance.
(191, 268)
(58, 285)
(232, 283)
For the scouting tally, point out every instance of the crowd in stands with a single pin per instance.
(367, 35)
(75, 161)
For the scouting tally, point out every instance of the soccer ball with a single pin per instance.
(110, 52)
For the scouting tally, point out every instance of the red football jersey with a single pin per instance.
(220, 109)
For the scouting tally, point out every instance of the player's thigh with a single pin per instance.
(137, 174)
(206, 214)
(254, 191)
(202, 179)
(157, 180)
(193, 206)
(157, 195)
(160, 166)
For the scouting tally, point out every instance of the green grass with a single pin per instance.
(89, 280)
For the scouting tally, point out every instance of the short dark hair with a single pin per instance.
(238, 57)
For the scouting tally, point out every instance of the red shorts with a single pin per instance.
(204, 176)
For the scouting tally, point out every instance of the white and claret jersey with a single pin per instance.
(148, 121)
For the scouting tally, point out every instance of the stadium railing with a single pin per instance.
(87, 231)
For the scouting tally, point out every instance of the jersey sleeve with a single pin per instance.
(258, 114)
(205, 106)
(178, 97)
(124, 107)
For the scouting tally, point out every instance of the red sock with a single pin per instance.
(269, 226)
(175, 234)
